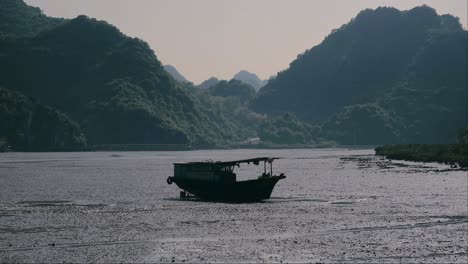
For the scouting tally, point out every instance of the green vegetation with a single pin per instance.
(112, 85)
(175, 74)
(19, 20)
(233, 88)
(462, 137)
(250, 79)
(366, 124)
(388, 76)
(4, 147)
(385, 77)
(288, 129)
(29, 126)
(208, 83)
(226, 109)
(449, 154)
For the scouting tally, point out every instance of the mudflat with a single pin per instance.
(336, 205)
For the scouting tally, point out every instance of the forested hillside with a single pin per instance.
(19, 20)
(175, 73)
(386, 76)
(234, 88)
(250, 79)
(112, 85)
(27, 125)
(208, 83)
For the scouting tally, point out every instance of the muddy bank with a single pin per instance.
(455, 155)
(335, 206)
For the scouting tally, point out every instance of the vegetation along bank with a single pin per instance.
(454, 154)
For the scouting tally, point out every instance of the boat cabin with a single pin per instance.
(216, 172)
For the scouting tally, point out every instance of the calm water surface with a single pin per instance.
(334, 206)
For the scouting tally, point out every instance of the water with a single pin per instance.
(334, 206)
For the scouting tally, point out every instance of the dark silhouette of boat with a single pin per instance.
(216, 181)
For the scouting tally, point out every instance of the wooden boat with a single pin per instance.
(217, 181)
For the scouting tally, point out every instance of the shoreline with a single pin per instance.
(182, 147)
(454, 154)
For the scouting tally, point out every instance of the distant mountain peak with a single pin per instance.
(175, 73)
(244, 73)
(249, 78)
(208, 83)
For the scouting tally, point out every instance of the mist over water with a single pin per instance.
(335, 205)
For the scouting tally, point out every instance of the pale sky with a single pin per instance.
(206, 38)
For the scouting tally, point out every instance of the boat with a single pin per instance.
(216, 181)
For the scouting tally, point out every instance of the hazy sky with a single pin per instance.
(205, 38)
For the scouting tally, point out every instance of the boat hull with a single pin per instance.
(241, 191)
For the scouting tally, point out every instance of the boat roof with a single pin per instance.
(230, 163)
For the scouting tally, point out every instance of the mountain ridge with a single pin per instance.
(111, 84)
(387, 76)
(360, 74)
(175, 73)
(20, 20)
(249, 78)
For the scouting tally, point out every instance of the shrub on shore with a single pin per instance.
(448, 154)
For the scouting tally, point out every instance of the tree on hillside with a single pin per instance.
(462, 136)
(288, 129)
(233, 88)
(28, 125)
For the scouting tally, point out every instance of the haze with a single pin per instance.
(206, 38)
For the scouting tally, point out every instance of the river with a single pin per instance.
(336, 205)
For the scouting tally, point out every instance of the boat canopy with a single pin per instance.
(217, 171)
(255, 161)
